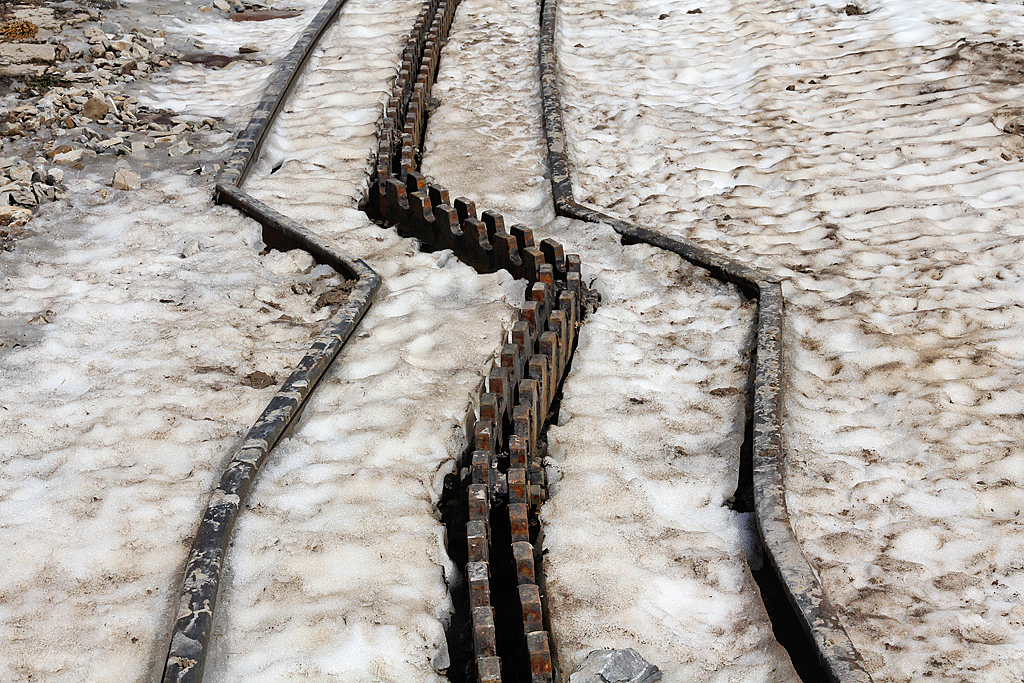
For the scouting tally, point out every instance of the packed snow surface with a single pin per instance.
(340, 567)
(486, 134)
(139, 331)
(317, 156)
(145, 332)
(642, 550)
(341, 564)
(869, 154)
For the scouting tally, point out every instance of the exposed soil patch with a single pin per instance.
(259, 380)
(1000, 61)
(264, 15)
(336, 296)
(210, 59)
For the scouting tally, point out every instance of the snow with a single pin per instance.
(642, 550)
(646, 454)
(124, 408)
(486, 133)
(232, 92)
(349, 79)
(339, 566)
(856, 156)
(870, 159)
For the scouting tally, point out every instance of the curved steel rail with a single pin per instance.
(835, 650)
(190, 636)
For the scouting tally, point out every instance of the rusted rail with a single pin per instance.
(506, 479)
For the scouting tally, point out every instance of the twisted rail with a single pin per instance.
(835, 650)
(506, 479)
(190, 636)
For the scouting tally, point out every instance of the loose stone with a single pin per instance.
(14, 215)
(615, 666)
(95, 109)
(72, 157)
(24, 198)
(126, 180)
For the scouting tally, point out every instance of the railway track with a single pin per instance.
(494, 505)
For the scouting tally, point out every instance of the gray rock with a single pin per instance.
(28, 53)
(191, 248)
(24, 198)
(20, 70)
(20, 174)
(109, 142)
(111, 27)
(615, 666)
(44, 193)
(180, 148)
(76, 48)
(209, 168)
(43, 17)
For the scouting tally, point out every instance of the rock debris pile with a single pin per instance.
(67, 74)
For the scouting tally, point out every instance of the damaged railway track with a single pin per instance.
(492, 517)
(500, 630)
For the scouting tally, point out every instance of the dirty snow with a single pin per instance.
(130, 381)
(642, 550)
(339, 568)
(867, 152)
(317, 156)
(144, 333)
(857, 150)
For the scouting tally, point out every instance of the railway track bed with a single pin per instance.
(445, 422)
